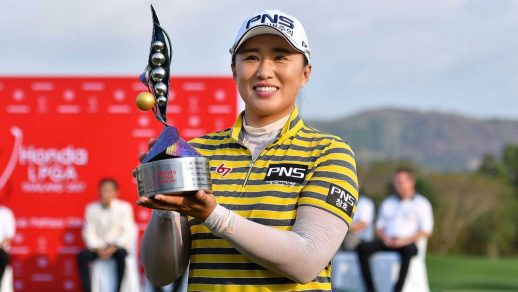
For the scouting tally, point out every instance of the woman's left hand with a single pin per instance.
(199, 205)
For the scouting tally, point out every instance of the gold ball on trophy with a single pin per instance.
(145, 101)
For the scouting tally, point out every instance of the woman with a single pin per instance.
(283, 193)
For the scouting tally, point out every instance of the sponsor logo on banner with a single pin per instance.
(286, 173)
(341, 199)
(53, 170)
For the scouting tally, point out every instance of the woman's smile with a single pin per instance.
(265, 89)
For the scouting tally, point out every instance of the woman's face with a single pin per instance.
(269, 74)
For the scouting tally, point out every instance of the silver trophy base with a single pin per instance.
(173, 176)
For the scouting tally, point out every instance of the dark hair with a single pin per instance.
(109, 180)
(410, 172)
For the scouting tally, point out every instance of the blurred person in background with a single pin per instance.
(7, 230)
(108, 232)
(362, 229)
(403, 219)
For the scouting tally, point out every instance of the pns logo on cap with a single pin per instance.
(276, 20)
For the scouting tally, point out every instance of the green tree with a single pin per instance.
(491, 166)
(494, 233)
(469, 207)
(510, 161)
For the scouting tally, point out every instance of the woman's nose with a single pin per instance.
(265, 70)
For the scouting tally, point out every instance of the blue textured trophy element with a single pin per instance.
(171, 165)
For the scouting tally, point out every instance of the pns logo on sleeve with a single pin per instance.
(222, 169)
(341, 199)
(286, 173)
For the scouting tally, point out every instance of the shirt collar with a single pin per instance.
(292, 126)
(409, 199)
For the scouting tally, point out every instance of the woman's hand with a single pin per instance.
(199, 205)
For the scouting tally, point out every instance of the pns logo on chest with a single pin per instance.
(286, 173)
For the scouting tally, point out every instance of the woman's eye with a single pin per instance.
(251, 58)
(281, 57)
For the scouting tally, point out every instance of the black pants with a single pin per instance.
(86, 256)
(366, 249)
(4, 260)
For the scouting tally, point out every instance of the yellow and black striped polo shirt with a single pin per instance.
(303, 167)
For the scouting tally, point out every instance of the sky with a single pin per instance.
(456, 55)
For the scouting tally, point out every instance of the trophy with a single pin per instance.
(171, 166)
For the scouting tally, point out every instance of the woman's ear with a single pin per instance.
(306, 74)
(234, 75)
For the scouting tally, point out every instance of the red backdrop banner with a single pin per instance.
(60, 135)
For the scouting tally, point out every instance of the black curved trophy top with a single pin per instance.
(156, 78)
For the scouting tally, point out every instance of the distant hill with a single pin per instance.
(440, 141)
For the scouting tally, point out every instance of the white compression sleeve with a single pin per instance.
(165, 247)
(300, 254)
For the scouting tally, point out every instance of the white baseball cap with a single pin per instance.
(274, 22)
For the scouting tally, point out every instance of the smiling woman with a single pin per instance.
(282, 206)
(269, 74)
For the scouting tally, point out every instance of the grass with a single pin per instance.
(469, 273)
